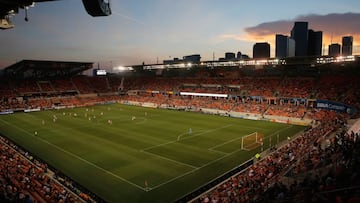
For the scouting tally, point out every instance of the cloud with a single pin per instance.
(334, 26)
(269, 28)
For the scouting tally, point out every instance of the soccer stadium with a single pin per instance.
(237, 131)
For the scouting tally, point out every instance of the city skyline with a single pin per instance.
(151, 32)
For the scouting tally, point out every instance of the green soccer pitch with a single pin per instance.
(133, 154)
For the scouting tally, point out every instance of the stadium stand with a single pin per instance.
(25, 179)
(300, 169)
(330, 171)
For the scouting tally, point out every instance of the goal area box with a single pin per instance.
(251, 141)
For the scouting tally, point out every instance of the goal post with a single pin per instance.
(251, 141)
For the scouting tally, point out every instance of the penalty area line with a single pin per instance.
(229, 141)
(185, 138)
(192, 171)
(168, 159)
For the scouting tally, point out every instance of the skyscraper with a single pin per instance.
(261, 50)
(229, 56)
(300, 34)
(238, 55)
(285, 46)
(280, 46)
(347, 45)
(314, 43)
(334, 49)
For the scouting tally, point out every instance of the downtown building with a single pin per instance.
(334, 49)
(261, 50)
(314, 43)
(307, 42)
(284, 46)
(300, 34)
(347, 45)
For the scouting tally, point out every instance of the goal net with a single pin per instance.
(252, 141)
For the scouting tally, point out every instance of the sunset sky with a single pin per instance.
(153, 30)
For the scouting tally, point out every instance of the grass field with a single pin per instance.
(153, 158)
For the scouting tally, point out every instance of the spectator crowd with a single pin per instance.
(320, 165)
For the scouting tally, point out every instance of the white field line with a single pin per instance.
(213, 161)
(187, 133)
(82, 159)
(129, 182)
(194, 168)
(217, 151)
(229, 141)
(189, 137)
(173, 179)
(168, 159)
(192, 171)
(143, 150)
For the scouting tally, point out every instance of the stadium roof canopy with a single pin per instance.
(45, 69)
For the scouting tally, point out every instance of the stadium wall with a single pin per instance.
(6, 112)
(108, 93)
(336, 106)
(87, 95)
(253, 116)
